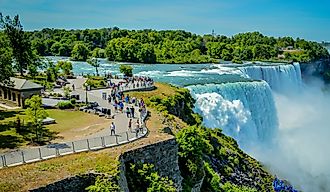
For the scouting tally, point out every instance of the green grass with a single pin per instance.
(29, 176)
(66, 120)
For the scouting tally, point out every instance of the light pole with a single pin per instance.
(86, 88)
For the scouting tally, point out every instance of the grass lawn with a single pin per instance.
(69, 125)
(162, 90)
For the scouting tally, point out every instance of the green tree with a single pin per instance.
(19, 42)
(127, 70)
(36, 114)
(192, 144)
(95, 63)
(79, 52)
(51, 70)
(5, 59)
(66, 67)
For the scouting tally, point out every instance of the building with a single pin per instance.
(18, 90)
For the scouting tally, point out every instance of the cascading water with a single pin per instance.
(281, 78)
(244, 110)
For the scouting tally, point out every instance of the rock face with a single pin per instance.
(74, 184)
(164, 156)
(315, 68)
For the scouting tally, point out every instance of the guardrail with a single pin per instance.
(30, 155)
(55, 150)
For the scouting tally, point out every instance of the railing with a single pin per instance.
(20, 157)
(55, 150)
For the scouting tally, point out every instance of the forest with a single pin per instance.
(171, 46)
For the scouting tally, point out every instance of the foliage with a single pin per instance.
(169, 46)
(143, 177)
(96, 82)
(5, 59)
(212, 181)
(127, 70)
(192, 145)
(65, 105)
(180, 104)
(36, 114)
(79, 52)
(67, 91)
(65, 66)
(18, 40)
(51, 70)
(95, 63)
(103, 184)
(228, 187)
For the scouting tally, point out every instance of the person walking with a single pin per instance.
(112, 128)
(130, 125)
(137, 126)
(128, 112)
(132, 111)
(121, 105)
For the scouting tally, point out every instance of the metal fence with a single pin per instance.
(20, 157)
(54, 150)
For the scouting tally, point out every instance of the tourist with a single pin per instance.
(73, 88)
(121, 105)
(137, 125)
(112, 128)
(109, 98)
(141, 126)
(128, 112)
(132, 111)
(116, 106)
(130, 125)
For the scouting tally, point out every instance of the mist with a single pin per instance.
(301, 151)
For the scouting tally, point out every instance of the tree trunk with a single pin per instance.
(97, 71)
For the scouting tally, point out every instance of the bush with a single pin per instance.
(73, 101)
(143, 177)
(65, 105)
(127, 70)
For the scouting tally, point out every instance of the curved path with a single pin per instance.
(98, 140)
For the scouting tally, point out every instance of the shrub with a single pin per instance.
(127, 70)
(143, 177)
(65, 105)
(73, 101)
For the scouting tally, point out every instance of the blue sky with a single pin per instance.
(298, 18)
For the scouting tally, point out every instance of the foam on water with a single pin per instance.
(244, 110)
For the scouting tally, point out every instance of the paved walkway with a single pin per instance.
(99, 140)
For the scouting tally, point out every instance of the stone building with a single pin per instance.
(18, 90)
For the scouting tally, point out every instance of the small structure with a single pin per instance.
(18, 90)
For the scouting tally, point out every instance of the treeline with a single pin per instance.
(150, 46)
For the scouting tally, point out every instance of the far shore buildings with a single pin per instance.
(18, 90)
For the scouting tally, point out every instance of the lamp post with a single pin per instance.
(86, 88)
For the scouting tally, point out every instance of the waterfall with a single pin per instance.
(244, 110)
(281, 78)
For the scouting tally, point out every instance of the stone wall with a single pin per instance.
(164, 156)
(73, 184)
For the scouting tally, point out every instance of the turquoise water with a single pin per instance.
(180, 75)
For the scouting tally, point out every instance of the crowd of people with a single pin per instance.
(124, 103)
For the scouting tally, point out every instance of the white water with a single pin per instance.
(244, 110)
(281, 78)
